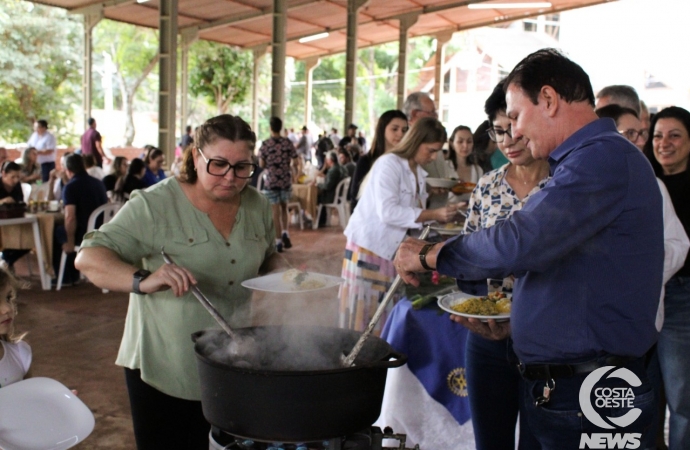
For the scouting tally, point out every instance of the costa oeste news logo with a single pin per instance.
(607, 397)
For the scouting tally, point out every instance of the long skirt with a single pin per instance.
(367, 278)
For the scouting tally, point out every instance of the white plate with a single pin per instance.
(42, 414)
(441, 182)
(441, 229)
(447, 301)
(275, 283)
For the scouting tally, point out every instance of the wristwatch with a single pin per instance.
(422, 256)
(139, 276)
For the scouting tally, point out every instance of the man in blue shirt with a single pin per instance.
(586, 251)
(81, 196)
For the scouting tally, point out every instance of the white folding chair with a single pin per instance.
(340, 204)
(108, 211)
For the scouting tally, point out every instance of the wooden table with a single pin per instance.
(33, 231)
(306, 195)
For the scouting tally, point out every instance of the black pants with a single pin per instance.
(162, 421)
(10, 256)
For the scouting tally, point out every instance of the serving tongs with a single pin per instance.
(348, 361)
(205, 302)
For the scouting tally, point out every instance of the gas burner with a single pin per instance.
(368, 439)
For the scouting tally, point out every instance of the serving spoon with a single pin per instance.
(348, 361)
(205, 302)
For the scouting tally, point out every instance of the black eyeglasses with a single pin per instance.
(632, 134)
(220, 168)
(498, 135)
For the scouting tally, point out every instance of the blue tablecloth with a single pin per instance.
(435, 347)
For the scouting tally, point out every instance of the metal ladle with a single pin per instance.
(348, 361)
(205, 302)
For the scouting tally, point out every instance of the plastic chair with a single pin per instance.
(340, 204)
(108, 211)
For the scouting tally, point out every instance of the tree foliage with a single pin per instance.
(221, 74)
(41, 69)
(134, 52)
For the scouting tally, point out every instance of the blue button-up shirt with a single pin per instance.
(587, 252)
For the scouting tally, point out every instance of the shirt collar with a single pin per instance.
(576, 139)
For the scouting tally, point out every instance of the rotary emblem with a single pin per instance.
(457, 382)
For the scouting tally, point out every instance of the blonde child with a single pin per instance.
(15, 354)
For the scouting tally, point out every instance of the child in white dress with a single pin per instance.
(15, 354)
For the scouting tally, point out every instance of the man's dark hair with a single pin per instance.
(615, 112)
(188, 128)
(91, 121)
(276, 124)
(549, 67)
(42, 123)
(75, 164)
(623, 95)
(10, 166)
(496, 101)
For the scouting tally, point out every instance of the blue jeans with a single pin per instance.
(495, 393)
(674, 350)
(560, 423)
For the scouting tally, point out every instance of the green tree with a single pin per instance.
(41, 69)
(134, 52)
(219, 73)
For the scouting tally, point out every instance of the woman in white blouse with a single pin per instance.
(391, 204)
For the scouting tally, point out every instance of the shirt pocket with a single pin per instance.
(187, 236)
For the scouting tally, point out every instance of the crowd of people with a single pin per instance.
(581, 211)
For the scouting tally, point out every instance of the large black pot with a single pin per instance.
(285, 393)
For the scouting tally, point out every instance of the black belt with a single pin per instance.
(553, 371)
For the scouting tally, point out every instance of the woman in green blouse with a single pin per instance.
(220, 231)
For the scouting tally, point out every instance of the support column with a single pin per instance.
(258, 53)
(310, 64)
(167, 68)
(90, 21)
(406, 22)
(278, 45)
(442, 40)
(189, 36)
(351, 60)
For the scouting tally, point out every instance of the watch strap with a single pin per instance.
(139, 276)
(422, 256)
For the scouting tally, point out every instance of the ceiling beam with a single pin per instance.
(100, 6)
(502, 19)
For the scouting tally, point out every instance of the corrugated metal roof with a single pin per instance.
(248, 23)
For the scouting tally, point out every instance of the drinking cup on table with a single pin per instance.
(53, 205)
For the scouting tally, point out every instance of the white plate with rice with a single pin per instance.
(445, 183)
(292, 281)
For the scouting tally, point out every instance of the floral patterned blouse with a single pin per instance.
(492, 202)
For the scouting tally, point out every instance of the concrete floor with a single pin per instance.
(75, 333)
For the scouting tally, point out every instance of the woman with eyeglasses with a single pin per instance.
(493, 382)
(221, 233)
(627, 122)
